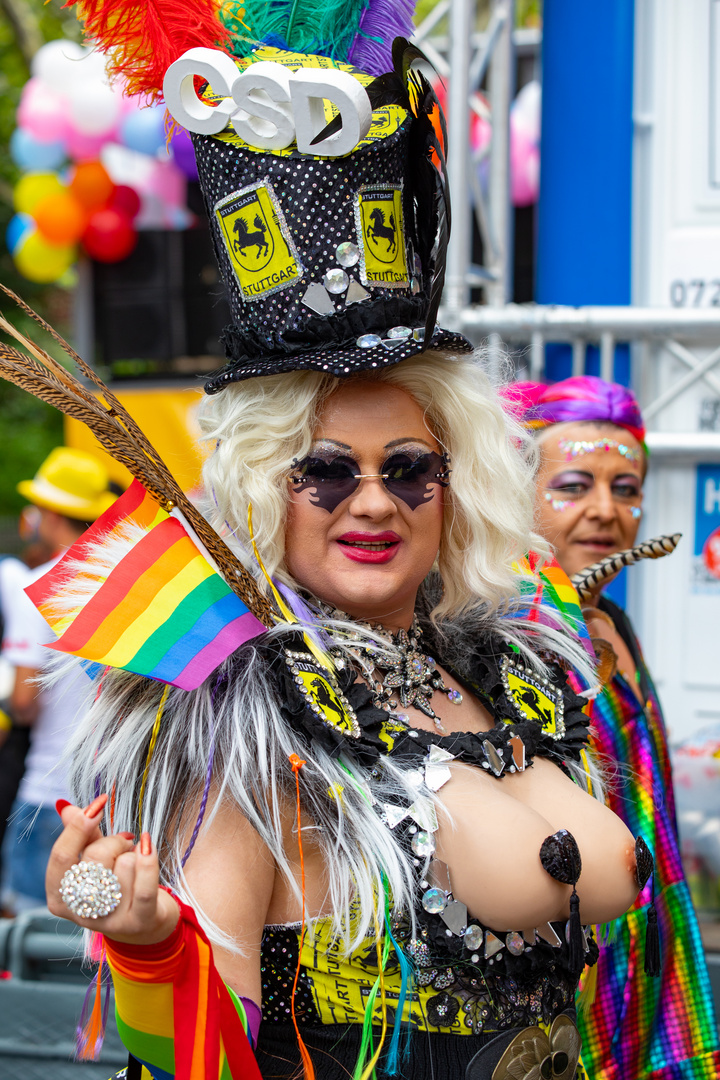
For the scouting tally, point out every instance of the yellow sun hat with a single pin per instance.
(70, 482)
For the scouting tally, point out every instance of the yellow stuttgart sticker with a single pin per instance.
(533, 702)
(321, 693)
(258, 241)
(380, 227)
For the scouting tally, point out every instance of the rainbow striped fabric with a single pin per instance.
(174, 1013)
(162, 611)
(639, 1027)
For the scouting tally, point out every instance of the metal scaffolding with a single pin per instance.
(673, 350)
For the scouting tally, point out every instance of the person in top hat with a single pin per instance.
(70, 489)
(371, 826)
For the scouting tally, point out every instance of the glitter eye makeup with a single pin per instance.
(573, 448)
(573, 482)
(558, 504)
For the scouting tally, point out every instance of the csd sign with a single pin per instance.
(268, 105)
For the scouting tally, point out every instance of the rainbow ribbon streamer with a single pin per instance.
(162, 611)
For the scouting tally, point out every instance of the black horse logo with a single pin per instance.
(377, 230)
(531, 700)
(319, 690)
(245, 237)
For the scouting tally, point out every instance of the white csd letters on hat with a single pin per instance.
(268, 105)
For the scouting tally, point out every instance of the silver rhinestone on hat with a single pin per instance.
(336, 281)
(399, 332)
(347, 254)
(368, 341)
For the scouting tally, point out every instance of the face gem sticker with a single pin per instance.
(381, 229)
(258, 241)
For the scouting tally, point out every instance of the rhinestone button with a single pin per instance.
(515, 943)
(473, 937)
(422, 843)
(368, 341)
(336, 281)
(347, 254)
(433, 901)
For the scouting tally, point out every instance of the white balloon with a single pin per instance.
(55, 63)
(94, 108)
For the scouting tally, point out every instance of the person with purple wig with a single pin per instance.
(593, 461)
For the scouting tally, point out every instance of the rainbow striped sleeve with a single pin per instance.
(162, 610)
(174, 1013)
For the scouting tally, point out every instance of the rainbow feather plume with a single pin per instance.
(359, 32)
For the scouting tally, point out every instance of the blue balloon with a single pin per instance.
(144, 130)
(31, 155)
(18, 228)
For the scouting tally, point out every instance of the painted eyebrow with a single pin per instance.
(407, 439)
(342, 445)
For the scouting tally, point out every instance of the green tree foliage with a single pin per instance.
(28, 428)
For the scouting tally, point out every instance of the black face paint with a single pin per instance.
(331, 478)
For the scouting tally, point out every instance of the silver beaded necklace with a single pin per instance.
(408, 676)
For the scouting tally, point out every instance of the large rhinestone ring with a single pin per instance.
(90, 890)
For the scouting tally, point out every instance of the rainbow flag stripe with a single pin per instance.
(163, 611)
(553, 587)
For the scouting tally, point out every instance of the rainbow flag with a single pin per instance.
(162, 611)
(552, 586)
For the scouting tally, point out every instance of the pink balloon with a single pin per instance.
(524, 167)
(168, 183)
(42, 112)
(81, 147)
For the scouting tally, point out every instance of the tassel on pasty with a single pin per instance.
(560, 857)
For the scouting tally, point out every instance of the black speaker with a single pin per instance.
(159, 312)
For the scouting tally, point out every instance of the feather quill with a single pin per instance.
(143, 37)
(40, 374)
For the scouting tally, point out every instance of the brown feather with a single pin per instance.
(116, 431)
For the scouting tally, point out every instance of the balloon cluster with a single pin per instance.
(95, 165)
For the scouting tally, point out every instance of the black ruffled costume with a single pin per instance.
(472, 986)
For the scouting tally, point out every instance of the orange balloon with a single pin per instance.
(91, 185)
(60, 218)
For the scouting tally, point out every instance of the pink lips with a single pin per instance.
(361, 546)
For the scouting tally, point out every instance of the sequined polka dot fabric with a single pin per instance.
(286, 230)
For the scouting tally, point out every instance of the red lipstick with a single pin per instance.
(369, 547)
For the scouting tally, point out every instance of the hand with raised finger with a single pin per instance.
(108, 883)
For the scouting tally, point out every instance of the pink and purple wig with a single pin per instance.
(581, 398)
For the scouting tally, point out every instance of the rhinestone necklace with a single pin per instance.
(410, 678)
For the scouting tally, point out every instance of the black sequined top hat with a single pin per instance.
(333, 264)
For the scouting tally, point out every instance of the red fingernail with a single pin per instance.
(95, 806)
(126, 835)
(145, 844)
(61, 804)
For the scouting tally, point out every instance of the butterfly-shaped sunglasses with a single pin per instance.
(335, 477)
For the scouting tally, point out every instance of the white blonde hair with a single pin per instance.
(260, 426)
(234, 726)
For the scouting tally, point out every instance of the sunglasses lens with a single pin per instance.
(329, 480)
(411, 479)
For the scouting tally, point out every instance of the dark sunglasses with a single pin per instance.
(335, 477)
